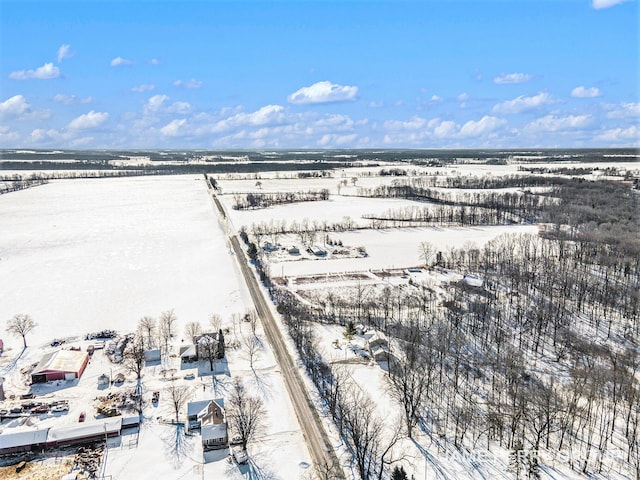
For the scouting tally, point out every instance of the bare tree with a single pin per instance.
(208, 348)
(168, 322)
(251, 316)
(134, 359)
(192, 329)
(215, 320)
(251, 347)
(178, 395)
(245, 413)
(427, 251)
(147, 328)
(20, 325)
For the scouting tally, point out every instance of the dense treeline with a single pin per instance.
(254, 200)
(13, 185)
(542, 358)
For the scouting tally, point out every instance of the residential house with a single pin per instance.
(208, 416)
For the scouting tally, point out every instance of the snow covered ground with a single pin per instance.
(80, 256)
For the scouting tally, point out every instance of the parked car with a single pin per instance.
(16, 410)
(82, 417)
(239, 455)
(60, 408)
(40, 409)
(189, 376)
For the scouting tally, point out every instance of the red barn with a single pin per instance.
(60, 365)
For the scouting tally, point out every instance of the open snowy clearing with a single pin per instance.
(80, 256)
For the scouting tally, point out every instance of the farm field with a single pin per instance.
(83, 255)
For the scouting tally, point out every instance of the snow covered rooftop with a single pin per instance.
(61, 361)
(23, 438)
(213, 430)
(106, 426)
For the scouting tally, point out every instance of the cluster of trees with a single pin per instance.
(419, 183)
(441, 215)
(15, 183)
(264, 200)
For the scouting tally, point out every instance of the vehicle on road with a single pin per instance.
(189, 376)
(239, 455)
(82, 417)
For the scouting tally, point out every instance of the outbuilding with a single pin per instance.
(60, 365)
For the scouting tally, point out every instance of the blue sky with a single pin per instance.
(319, 74)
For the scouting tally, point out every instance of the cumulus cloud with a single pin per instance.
(45, 72)
(624, 110)
(267, 115)
(88, 120)
(551, 123)
(463, 97)
(18, 108)
(14, 107)
(629, 135)
(323, 92)
(172, 129)
(159, 104)
(583, 92)
(191, 84)
(512, 78)
(600, 4)
(481, 127)
(64, 52)
(436, 99)
(155, 103)
(523, 103)
(145, 87)
(67, 99)
(119, 62)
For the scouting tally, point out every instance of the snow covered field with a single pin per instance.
(83, 255)
(80, 256)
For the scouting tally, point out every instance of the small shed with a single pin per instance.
(152, 355)
(60, 365)
(103, 379)
(189, 354)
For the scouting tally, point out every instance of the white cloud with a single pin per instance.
(331, 139)
(481, 127)
(155, 103)
(512, 78)
(18, 108)
(64, 52)
(154, 61)
(14, 107)
(267, 115)
(172, 129)
(436, 99)
(88, 120)
(583, 92)
(70, 99)
(191, 84)
(323, 92)
(45, 72)
(617, 135)
(374, 104)
(551, 123)
(180, 108)
(145, 87)
(523, 103)
(624, 110)
(463, 97)
(119, 62)
(159, 104)
(600, 4)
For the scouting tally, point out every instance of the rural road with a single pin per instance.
(320, 448)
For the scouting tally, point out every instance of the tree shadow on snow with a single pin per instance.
(177, 445)
(257, 468)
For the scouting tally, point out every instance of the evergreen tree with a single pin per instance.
(399, 473)
(350, 330)
(220, 349)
